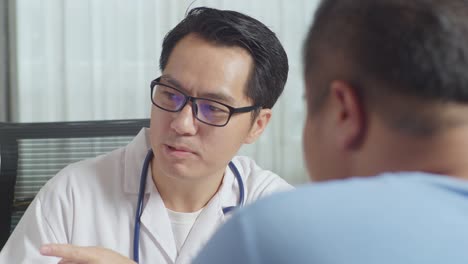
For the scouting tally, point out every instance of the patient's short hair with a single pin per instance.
(391, 50)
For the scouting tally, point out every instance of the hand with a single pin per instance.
(71, 254)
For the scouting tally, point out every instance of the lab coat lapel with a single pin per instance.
(209, 220)
(156, 222)
(135, 154)
(203, 228)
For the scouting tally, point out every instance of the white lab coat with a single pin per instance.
(93, 202)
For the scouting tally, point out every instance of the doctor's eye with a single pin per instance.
(169, 95)
(209, 107)
(213, 111)
(168, 98)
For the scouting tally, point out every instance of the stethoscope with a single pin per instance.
(141, 192)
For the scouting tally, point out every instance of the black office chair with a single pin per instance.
(32, 153)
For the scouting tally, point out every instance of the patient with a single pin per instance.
(387, 97)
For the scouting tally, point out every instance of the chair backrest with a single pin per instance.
(32, 153)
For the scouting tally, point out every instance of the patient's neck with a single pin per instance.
(444, 153)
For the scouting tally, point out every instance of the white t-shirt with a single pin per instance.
(181, 224)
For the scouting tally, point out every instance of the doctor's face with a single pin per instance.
(184, 147)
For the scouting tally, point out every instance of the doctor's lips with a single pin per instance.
(181, 149)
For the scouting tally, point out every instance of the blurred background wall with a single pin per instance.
(68, 60)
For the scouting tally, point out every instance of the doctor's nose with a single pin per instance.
(184, 122)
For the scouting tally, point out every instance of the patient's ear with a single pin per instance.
(349, 125)
(259, 125)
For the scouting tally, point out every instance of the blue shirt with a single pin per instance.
(392, 218)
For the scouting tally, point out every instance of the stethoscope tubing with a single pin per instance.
(141, 193)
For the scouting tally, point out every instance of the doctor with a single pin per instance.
(387, 97)
(222, 72)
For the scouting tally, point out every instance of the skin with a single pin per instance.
(70, 254)
(343, 139)
(190, 157)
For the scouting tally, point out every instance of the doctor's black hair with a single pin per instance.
(230, 28)
(402, 57)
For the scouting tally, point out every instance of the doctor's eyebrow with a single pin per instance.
(173, 82)
(222, 97)
(219, 97)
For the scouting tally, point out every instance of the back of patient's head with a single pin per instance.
(407, 60)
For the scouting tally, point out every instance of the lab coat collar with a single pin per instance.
(206, 224)
(211, 217)
(156, 220)
(229, 190)
(135, 153)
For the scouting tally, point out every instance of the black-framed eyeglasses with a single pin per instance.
(208, 111)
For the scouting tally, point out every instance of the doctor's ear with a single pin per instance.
(258, 126)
